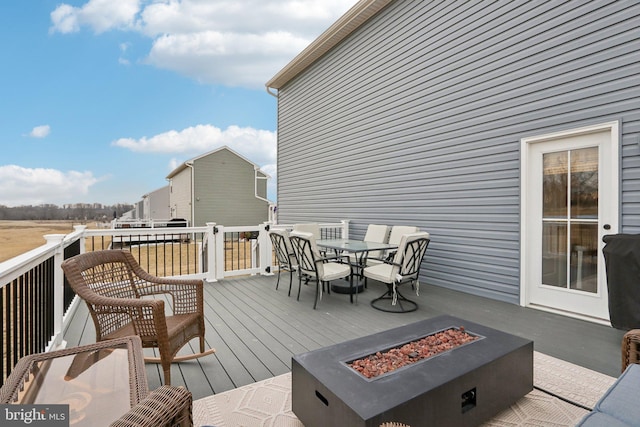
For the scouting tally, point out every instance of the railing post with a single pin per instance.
(266, 260)
(220, 253)
(58, 288)
(345, 228)
(80, 230)
(211, 252)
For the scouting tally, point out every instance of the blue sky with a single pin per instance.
(101, 99)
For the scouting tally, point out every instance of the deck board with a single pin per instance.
(256, 329)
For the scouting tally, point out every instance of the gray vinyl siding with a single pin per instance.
(416, 119)
(225, 191)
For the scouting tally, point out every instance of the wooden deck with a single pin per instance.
(256, 330)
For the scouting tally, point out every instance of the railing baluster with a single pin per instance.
(3, 374)
(14, 322)
(28, 316)
(21, 325)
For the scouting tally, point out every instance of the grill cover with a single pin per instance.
(622, 261)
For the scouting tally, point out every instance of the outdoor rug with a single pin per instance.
(268, 403)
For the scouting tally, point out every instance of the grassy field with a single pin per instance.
(17, 237)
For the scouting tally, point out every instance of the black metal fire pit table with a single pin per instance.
(463, 386)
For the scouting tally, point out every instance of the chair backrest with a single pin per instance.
(410, 253)
(377, 233)
(311, 227)
(306, 250)
(397, 231)
(282, 247)
(100, 277)
(94, 274)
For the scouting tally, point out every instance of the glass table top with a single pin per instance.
(95, 385)
(354, 245)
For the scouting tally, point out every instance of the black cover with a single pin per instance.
(622, 260)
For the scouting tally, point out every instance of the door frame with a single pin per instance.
(613, 209)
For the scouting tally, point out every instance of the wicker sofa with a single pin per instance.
(619, 407)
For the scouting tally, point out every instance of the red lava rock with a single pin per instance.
(380, 362)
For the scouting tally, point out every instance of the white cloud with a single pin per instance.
(40, 131)
(24, 186)
(229, 42)
(257, 145)
(233, 59)
(100, 15)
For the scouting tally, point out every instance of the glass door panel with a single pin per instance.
(569, 219)
(584, 183)
(584, 257)
(554, 254)
(554, 185)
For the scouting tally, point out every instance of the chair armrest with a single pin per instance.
(164, 406)
(125, 303)
(630, 348)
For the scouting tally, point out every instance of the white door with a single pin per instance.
(570, 200)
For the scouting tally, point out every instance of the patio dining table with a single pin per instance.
(360, 249)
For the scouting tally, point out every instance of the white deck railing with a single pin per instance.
(36, 303)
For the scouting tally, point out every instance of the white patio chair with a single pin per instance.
(375, 233)
(311, 227)
(405, 268)
(313, 265)
(397, 231)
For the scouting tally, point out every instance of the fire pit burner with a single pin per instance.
(389, 360)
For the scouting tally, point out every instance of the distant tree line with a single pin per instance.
(77, 212)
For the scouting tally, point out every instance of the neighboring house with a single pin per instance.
(139, 210)
(508, 130)
(220, 186)
(156, 204)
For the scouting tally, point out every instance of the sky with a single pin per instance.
(100, 100)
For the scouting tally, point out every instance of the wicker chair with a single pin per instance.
(120, 296)
(166, 406)
(630, 348)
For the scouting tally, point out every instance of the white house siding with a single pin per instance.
(416, 118)
(140, 209)
(180, 195)
(156, 204)
(225, 191)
